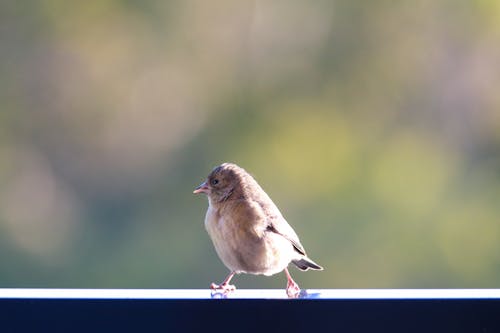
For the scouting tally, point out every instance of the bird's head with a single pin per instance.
(222, 182)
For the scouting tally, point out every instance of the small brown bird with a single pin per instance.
(248, 231)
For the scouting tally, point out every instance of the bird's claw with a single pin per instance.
(292, 290)
(223, 287)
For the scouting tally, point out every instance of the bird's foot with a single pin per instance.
(221, 290)
(223, 287)
(292, 289)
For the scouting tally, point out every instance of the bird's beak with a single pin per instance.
(202, 188)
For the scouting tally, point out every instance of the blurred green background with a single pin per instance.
(373, 125)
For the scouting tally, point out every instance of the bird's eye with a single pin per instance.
(214, 181)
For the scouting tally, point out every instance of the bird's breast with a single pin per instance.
(242, 249)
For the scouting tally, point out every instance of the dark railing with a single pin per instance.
(151, 310)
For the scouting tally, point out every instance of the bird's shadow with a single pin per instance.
(305, 294)
(215, 294)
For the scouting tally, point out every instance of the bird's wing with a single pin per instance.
(276, 223)
(281, 227)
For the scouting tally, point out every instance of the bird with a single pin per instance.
(248, 231)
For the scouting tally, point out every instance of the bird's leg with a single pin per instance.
(224, 286)
(292, 288)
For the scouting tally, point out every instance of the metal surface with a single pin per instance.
(193, 310)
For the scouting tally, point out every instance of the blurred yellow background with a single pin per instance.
(373, 125)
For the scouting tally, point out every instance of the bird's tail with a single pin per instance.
(305, 263)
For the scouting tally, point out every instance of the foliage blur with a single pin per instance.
(373, 125)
